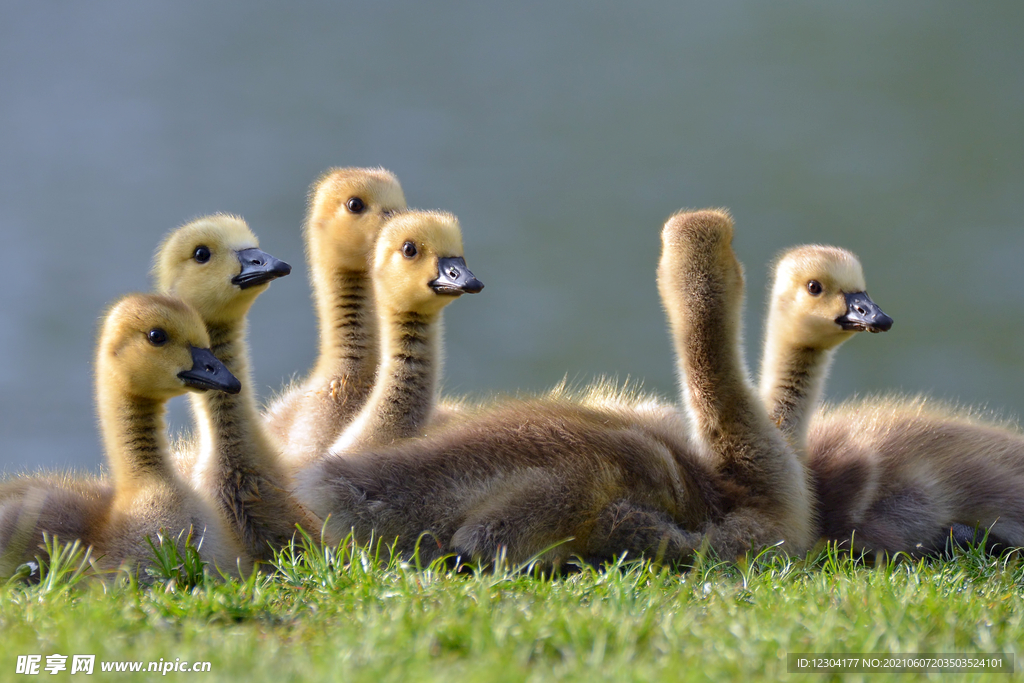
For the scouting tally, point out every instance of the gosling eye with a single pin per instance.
(201, 254)
(814, 287)
(355, 205)
(409, 250)
(157, 337)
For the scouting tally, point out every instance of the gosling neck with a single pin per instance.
(703, 296)
(713, 377)
(229, 425)
(134, 438)
(348, 329)
(403, 399)
(792, 380)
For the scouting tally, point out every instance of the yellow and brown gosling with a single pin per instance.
(818, 300)
(215, 264)
(347, 207)
(419, 268)
(151, 348)
(891, 474)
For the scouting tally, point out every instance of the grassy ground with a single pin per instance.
(346, 615)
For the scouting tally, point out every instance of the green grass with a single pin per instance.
(347, 614)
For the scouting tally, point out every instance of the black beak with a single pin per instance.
(209, 373)
(454, 278)
(863, 314)
(258, 267)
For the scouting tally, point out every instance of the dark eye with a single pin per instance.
(201, 254)
(157, 337)
(814, 287)
(355, 205)
(408, 250)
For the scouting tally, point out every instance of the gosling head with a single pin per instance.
(156, 347)
(696, 245)
(215, 264)
(706, 229)
(347, 207)
(819, 298)
(419, 265)
(698, 239)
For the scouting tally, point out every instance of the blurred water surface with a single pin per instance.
(561, 134)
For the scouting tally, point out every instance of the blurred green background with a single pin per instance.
(562, 135)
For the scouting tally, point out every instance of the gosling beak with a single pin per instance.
(209, 373)
(863, 314)
(454, 278)
(258, 267)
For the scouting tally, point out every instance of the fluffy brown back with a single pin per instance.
(65, 505)
(521, 476)
(899, 472)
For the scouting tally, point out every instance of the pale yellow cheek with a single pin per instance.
(838, 308)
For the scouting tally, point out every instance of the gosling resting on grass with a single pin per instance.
(891, 474)
(152, 348)
(553, 477)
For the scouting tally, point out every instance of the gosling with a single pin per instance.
(347, 207)
(214, 264)
(151, 348)
(891, 474)
(419, 268)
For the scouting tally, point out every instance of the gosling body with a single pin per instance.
(64, 505)
(540, 478)
(912, 475)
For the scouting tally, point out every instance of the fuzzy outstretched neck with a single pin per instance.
(791, 384)
(348, 348)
